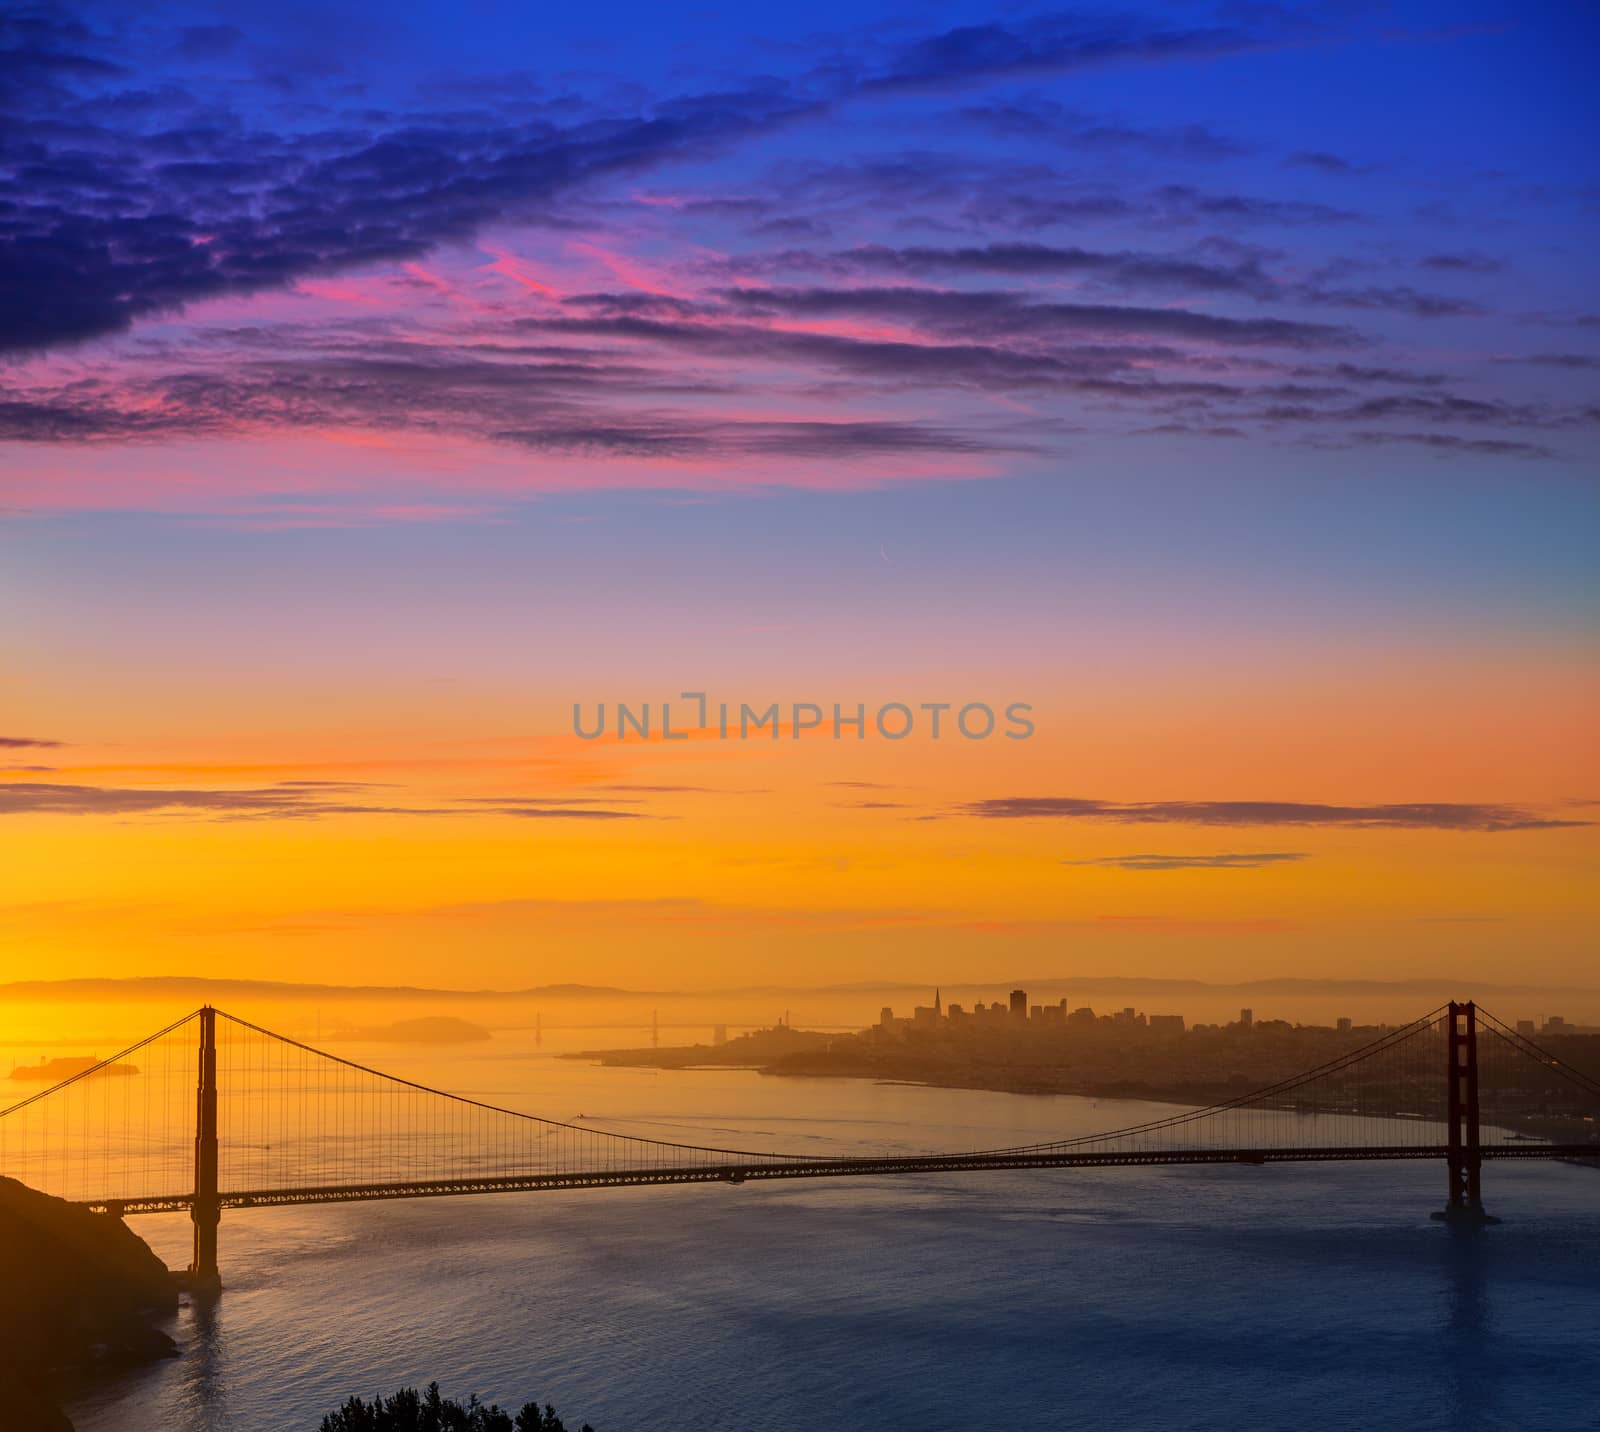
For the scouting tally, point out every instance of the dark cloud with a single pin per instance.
(1462, 263)
(42, 50)
(124, 197)
(287, 801)
(1194, 430)
(1576, 361)
(1147, 271)
(1050, 44)
(682, 438)
(989, 194)
(604, 375)
(38, 798)
(1030, 259)
(1396, 299)
(607, 381)
(611, 439)
(1183, 200)
(1238, 860)
(18, 743)
(1451, 443)
(1047, 121)
(1564, 320)
(589, 408)
(121, 201)
(966, 364)
(1417, 816)
(131, 218)
(1359, 373)
(860, 439)
(994, 313)
(540, 801)
(676, 790)
(567, 813)
(1443, 407)
(793, 228)
(1323, 162)
(1022, 209)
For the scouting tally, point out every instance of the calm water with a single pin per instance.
(1287, 1297)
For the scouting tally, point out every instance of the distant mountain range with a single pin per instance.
(161, 985)
(167, 985)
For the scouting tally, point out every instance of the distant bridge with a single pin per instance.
(269, 1121)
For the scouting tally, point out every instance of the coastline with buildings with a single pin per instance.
(1013, 1045)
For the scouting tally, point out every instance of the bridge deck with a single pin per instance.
(821, 1168)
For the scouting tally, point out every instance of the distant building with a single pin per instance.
(885, 1017)
(1555, 1025)
(1527, 1028)
(1247, 1018)
(1019, 1004)
(1167, 1023)
(1343, 1024)
(924, 1014)
(719, 1034)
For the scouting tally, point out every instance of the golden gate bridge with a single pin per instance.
(220, 1113)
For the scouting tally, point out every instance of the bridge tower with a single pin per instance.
(1465, 1157)
(206, 1210)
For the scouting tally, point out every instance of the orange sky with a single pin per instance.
(807, 861)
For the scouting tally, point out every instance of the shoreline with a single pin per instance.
(1196, 1096)
(1193, 1095)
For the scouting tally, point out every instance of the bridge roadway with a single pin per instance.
(783, 1167)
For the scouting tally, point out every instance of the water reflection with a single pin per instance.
(1472, 1355)
(1119, 1299)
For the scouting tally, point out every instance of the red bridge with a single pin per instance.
(220, 1113)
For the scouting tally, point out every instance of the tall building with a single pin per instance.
(1343, 1024)
(1247, 1018)
(1019, 1004)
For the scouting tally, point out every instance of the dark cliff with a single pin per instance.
(76, 1290)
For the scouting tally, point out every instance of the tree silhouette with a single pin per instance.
(410, 1411)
